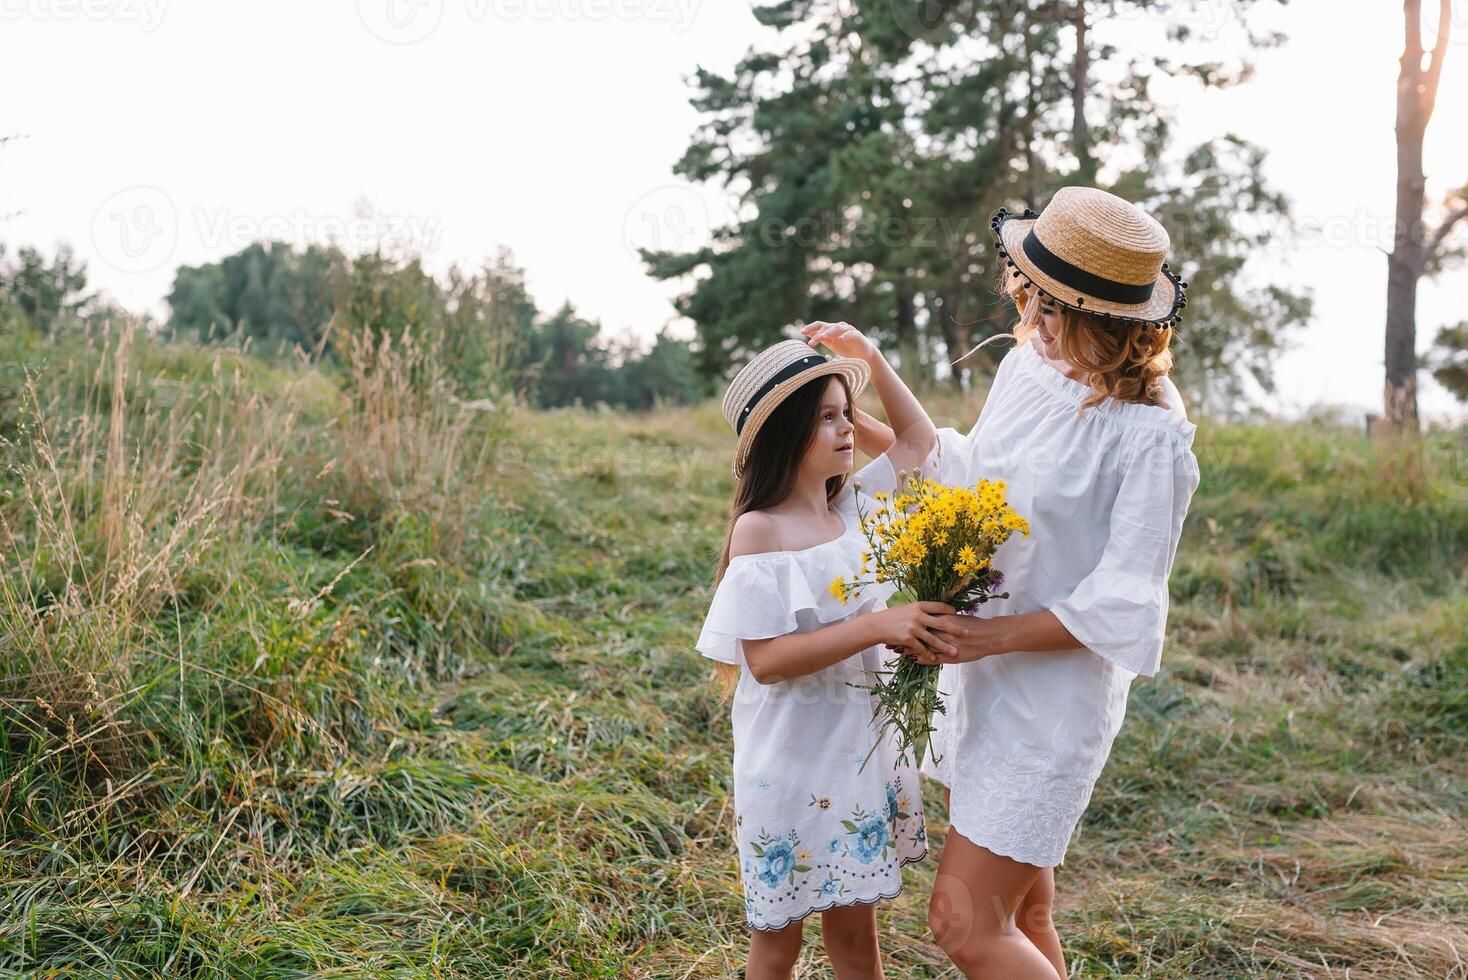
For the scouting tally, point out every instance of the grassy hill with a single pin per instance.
(327, 674)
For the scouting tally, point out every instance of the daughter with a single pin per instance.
(816, 830)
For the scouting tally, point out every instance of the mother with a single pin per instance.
(1091, 437)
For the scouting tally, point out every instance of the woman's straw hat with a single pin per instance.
(1093, 251)
(770, 378)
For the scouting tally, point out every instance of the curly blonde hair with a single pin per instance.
(1122, 359)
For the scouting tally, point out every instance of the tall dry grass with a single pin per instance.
(316, 670)
(176, 629)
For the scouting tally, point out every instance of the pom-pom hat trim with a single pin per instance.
(1093, 251)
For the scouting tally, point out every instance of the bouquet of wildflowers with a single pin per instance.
(936, 543)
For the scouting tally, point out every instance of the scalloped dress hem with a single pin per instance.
(880, 897)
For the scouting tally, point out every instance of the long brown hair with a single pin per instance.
(769, 475)
(1122, 359)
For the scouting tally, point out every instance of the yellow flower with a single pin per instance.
(839, 590)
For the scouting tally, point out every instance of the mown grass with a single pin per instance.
(322, 673)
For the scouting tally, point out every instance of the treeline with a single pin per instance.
(869, 143)
(484, 325)
(484, 322)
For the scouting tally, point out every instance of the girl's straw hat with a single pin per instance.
(771, 377)
(1093, 251)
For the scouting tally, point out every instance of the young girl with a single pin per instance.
(816, 830)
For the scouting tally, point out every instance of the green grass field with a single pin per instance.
(312, 674)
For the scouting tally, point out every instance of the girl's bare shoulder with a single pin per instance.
(755, 532)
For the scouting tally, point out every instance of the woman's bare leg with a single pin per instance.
(1034, 917)
(773, 955)
(1035, 921)
(850, 936)
(976, 898)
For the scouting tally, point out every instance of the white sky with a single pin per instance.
(168, 132)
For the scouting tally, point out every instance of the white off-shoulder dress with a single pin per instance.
(814, 828)
(1026, 734)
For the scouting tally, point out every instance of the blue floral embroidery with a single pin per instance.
(834, 846)
(871, 839)
(831, 886)
(891, 803)
(778, 860)
(870, 833)
(776, 863)
(764, 784)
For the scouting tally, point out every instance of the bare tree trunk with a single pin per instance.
(942, 313)
(907, 345)
(1411, 252)
(1027, 130)
(963, 337)
(1080, 131)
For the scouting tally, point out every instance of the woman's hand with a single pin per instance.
(843, 339)
(980, 639)
(926, 626)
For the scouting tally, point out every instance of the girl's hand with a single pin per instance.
(927, 626)
(843, 339)
(978, 641)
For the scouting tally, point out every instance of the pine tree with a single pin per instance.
(869, 147)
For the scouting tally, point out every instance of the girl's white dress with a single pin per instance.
(813, 832)
(1025, 734)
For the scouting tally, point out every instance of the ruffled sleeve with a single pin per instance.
(1119, 610)
(760, 596)
(780, 592)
